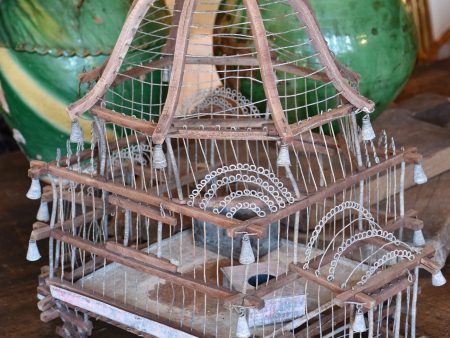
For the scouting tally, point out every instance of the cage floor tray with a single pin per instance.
(180, 305)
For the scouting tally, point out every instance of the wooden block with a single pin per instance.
(46, 303)
(49, 315)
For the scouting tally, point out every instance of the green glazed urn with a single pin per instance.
(44, 46)
(375, 38)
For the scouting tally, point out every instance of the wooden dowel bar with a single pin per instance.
(43, 232)
(239, 122)
(311, 276)
(141, 209)
(404, 222)
(42, 290)
(67, 196)
(141, 196)
(176, 278)
(319, 120)
(359, 297)
(177, 75)
(46, 303)
(146, 258)
(399, 286)
(49, 315)
(430, 265)
(379, 280)
(146, 127)
(267, 71)
(250, 135)
(84, 270)
(232, 60)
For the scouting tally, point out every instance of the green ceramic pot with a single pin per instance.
(44, 46)
(373, 38)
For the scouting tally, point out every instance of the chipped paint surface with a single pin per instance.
(118, 315)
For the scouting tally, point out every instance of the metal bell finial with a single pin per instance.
(359, 324)
(246, 256)
(242, 329)
(419, 174)
(284, 159)
(418, 239)
(166, 73)
(34, 193)
(159, 159)
(438, 279)
(43, 215)
(367, 132)
(76, 132)
(33, 254)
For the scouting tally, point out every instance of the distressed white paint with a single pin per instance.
(117, 315)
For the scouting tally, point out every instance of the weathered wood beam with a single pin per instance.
(146, 258)
(43, 230)
(142, 196)
(319, 120)
(367, 301)
(267, 70)
(142, 209)
(178, 65)
(122, 306)
(146, 127)
(138, 265)
(379, 280)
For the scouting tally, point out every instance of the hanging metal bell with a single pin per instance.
(247, 256)
(438, 279)
(76, 132)
(166, 73)
(283, 159)
(359, 324)
(418, 239)
(159, 159)
(367, 132)
(34, 193)
(242, 329)
(43, 214)
(419, 174)
(33, 251)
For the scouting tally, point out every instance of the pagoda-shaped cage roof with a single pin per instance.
(263, 63)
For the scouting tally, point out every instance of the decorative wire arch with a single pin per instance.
(347, 205)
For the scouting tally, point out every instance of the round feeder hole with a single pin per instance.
(260, 279)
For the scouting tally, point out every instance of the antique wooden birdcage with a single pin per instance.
(235, 194)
